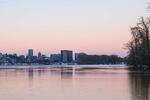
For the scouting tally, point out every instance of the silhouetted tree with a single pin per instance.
(138, 46)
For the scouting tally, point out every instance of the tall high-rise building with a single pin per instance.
(66, 56)
(30, 53)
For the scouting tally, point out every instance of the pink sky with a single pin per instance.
(93, 27)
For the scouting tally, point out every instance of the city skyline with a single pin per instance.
(36, 53)
(63, 57)
(94, 27)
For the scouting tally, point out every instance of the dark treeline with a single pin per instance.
(99, 59)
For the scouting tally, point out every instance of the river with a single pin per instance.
(73, 84)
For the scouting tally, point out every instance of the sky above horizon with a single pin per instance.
(90, 26)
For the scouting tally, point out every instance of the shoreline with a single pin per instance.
(64, 66)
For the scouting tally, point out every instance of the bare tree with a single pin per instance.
(139, 51)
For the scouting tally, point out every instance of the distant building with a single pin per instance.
(22, 57)
(76, 56)
(66, 56)
(39, 55)
(30, 53)
(1, 55)
(55, 58)
(43, 59)
(44, 56)
(30, 56)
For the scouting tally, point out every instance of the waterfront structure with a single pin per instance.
(66, 56)
(55, 58)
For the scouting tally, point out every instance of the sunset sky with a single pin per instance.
(90, 26)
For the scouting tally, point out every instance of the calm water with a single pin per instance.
(70, 84)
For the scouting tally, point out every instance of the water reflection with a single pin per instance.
(30, 74)
(66, 73)
(139, 83)
(62, 83)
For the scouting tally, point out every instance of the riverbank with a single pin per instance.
(66, 66)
